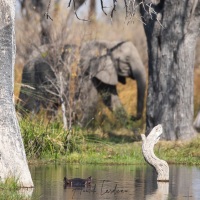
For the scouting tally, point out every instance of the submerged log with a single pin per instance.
(160, 166)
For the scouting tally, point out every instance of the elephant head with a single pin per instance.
(107, 63)
(40, 79)
(36, 80)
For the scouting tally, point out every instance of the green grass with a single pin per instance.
(180, 152)
(108, 153)
(11, 191)
(47, 143)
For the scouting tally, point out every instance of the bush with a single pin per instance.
(42, 139)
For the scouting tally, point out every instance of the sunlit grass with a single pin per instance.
(180, 152)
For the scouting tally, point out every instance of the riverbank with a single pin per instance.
(187, 153)
(130, 153)
(50, 143)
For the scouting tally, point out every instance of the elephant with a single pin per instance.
(39, 86)
(103, 64)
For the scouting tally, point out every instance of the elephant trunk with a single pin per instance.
(140, 77)
(141, 88)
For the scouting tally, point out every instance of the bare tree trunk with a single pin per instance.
(45, 34)
(75, 5)
(43, 6)
(31, 7)
(13, 161)
(65, 124)
(171, 51)
(92, 10)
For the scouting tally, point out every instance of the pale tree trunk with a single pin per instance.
(148, 143)
(13, 161)
(61, 94)
(171, 51)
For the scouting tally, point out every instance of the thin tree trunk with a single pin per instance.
(13, 161)
(65, 124)
(92, 10)
(171, 51)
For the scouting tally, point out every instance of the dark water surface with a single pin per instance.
(115, 182)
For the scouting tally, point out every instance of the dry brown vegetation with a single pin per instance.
(27, 39)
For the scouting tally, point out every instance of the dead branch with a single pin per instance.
(160, 166)
(46, 14)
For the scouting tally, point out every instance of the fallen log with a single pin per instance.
(148, 143)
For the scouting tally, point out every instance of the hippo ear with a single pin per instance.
(67, 181)
(103, 69)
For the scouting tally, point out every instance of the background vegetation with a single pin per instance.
(110, 141)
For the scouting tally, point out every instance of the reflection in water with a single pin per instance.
(26, 192)
(115, 182)
(161, 193)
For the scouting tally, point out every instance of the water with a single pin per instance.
(113, 182)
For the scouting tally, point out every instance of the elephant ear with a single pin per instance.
(103, 69)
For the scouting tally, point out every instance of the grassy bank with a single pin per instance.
(11, 191)
(46, 143)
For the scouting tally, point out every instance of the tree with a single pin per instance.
(92, 10)
(13, 161)
(172, 29)
(29, 8)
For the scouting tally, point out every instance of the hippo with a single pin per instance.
(77, 182)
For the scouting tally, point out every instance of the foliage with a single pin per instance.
(10, 190)
(49, 142)
(180, 152)
(80, 33)
(102, 152)
(50, 139)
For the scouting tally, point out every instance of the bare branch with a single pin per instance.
(46, 14)
(131, 7)
(80, 18)
(49, 91)
(102, 7)
(114, 8)
(27, 86)
(53, 84)
(75, 10)
(69, 3)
